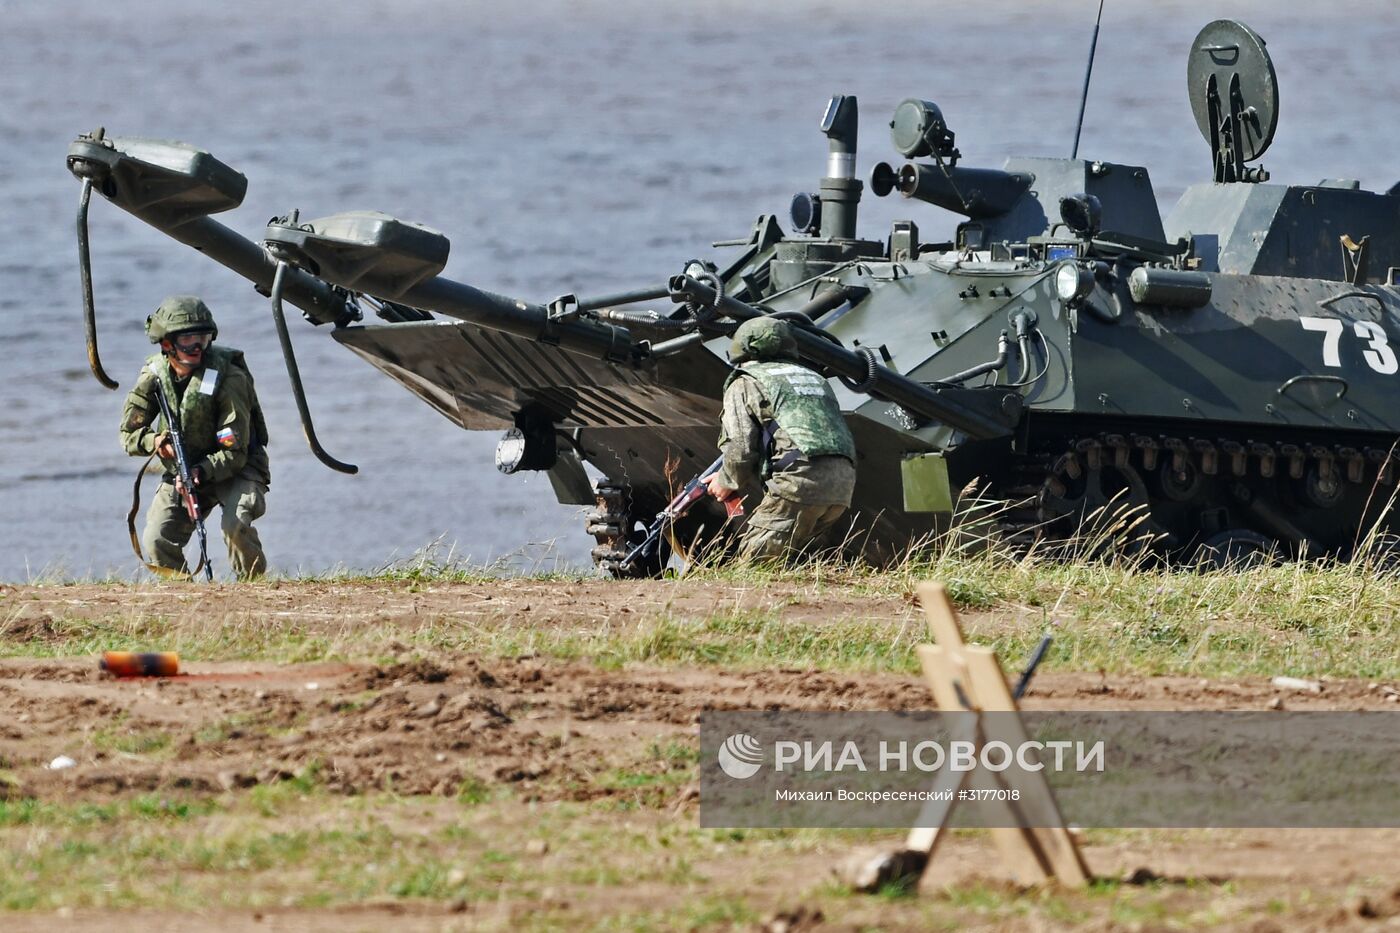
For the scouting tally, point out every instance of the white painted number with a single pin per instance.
(1331, 340)
(1378, 355)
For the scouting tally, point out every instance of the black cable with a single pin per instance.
(872, 368)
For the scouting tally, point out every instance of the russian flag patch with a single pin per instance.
(226, 437)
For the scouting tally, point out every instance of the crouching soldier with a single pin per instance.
(225, 437)
(782, 429)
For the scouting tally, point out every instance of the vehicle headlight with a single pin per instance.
(1073, 283)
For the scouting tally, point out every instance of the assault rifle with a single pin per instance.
(693, 492)
(185, 479)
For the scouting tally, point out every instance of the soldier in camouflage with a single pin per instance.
(782, 431)
(225, 436)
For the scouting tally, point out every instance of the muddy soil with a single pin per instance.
(547, 727)
(425, 726)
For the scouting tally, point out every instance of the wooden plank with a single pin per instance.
(934, 816)
(946, 673)
(939, 675)
(942, 618)
(1020, 849)
(968, 678)
(1038, 801)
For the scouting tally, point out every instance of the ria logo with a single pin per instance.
(740, 756)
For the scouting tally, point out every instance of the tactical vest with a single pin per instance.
(199, 407)
(804, 407)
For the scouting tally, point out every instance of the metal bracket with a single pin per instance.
(1354, 256)
(1308, 377)
(564, 308)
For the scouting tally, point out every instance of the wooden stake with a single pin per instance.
(969, 679)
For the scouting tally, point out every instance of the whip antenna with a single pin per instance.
(1088, 70)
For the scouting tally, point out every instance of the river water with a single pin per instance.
(562, 146)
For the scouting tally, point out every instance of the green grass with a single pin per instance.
(145, 742)
(1116, 615)
(301, 848)
(1120, 616)
(313, 851)
(244, 639)
(146, 808)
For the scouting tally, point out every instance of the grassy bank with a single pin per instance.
(1301, 619)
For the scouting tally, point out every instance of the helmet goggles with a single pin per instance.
(192, 342)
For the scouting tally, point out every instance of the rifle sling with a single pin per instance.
(168, 573)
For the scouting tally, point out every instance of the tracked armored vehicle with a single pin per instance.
(1220, 378)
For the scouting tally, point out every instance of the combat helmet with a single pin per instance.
(763, 338)
(181, 314)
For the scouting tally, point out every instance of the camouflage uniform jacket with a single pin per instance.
(224, 432)
(826, 478)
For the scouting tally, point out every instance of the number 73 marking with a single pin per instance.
(1378, 354)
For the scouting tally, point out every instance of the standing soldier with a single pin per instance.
(225, 437)
(783, 429)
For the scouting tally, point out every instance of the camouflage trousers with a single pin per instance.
(780, 529)
(241, 502)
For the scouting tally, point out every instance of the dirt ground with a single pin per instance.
(546, 729)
